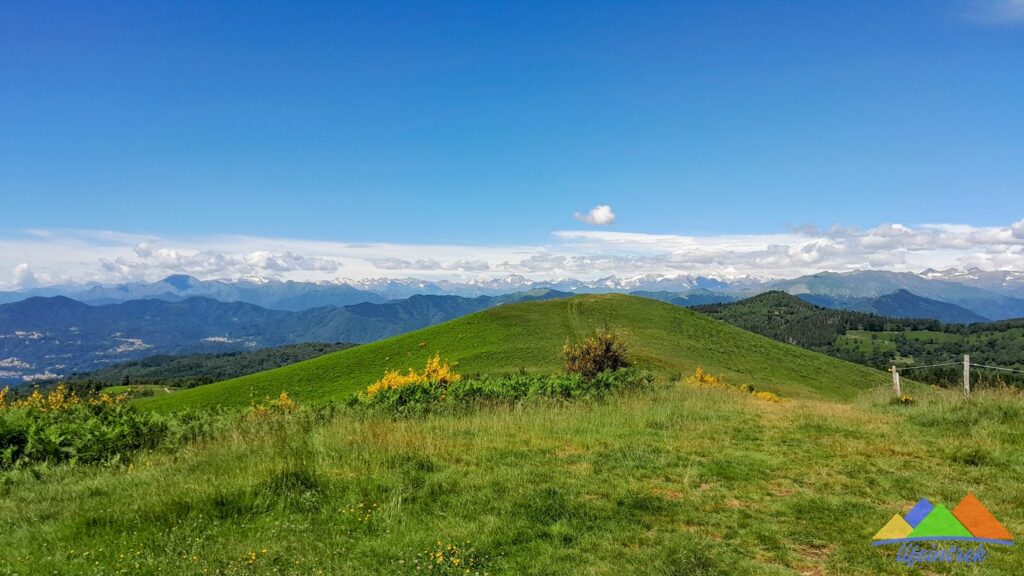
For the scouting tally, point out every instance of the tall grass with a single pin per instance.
(660, 480)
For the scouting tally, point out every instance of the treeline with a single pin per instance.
(198, 369)
(881, 342)
(994, 344)
(789, 319)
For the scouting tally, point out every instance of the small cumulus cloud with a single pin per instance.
(24, 278)
(600, 215)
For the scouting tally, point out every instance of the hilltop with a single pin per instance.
(528, 336)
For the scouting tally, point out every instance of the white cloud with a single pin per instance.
(44, 257)
(288, 262)
(1017, 229)
(24, 277)
(600, 215)
(430, 265)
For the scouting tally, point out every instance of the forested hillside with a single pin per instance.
(197, 369)
(789, 319)
(879, 341)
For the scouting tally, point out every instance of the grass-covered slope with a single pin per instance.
(669, 481)
(668, 339)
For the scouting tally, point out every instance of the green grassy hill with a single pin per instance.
(662, 337)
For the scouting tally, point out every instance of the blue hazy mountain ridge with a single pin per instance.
(989, 295)
(60, 336)
(899, 304)
(844, 290)
(296, 296)
(276, 295)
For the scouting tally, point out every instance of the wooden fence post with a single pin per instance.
(896, 382)
(967, 374)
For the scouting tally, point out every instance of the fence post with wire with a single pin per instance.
(966, 378)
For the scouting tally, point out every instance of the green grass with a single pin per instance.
(665, 338)
(155, 389)
(666, 481)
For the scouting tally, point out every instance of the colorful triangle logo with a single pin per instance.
(940, 523)
(918, 512)
(973, 515)
(896, 528)
(969, 521)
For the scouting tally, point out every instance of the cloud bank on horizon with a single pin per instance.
(34, 258)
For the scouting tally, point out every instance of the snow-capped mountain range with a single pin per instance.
(997, 280)
(288, 295)
(403, 288)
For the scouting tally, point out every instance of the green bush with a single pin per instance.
(61, 427)
(600, 353)
(84, 433)
(499, 389)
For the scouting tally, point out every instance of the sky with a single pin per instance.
(550, 139)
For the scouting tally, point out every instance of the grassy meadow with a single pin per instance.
(670, 480)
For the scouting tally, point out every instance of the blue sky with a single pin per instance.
(491, 124)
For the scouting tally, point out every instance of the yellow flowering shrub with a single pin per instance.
(767, 396)
(286, 404)
(904, 400)
(436, 371)
(708, 380)
(56, 400)
(283, 404)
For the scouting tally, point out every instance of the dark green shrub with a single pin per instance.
(61, 427)
(599, 353)
(83, 433)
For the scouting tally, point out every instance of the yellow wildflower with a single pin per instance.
(705, 379)
(436, 371)
(767, 396)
